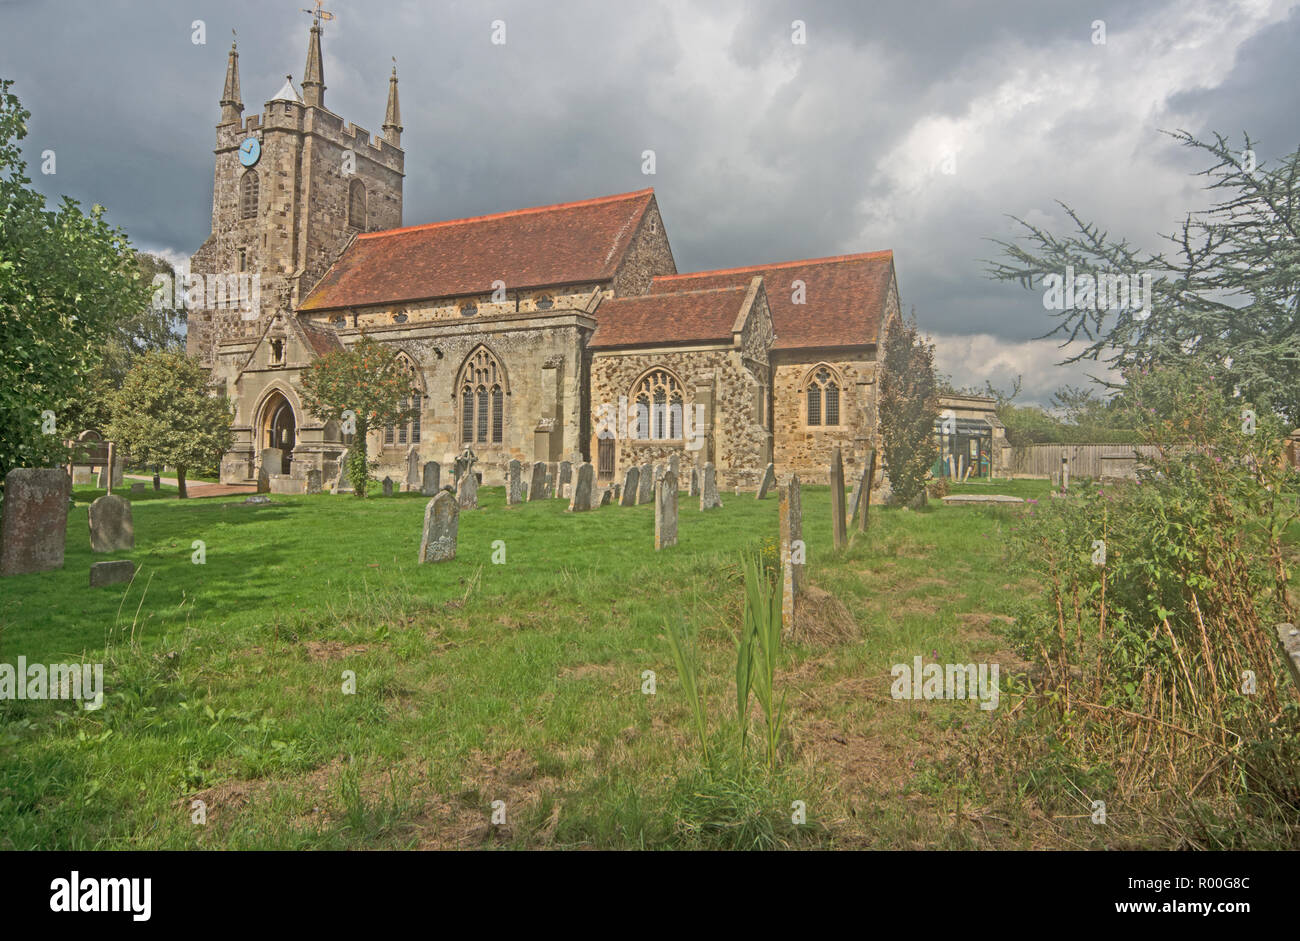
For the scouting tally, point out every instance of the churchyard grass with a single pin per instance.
(519, 682)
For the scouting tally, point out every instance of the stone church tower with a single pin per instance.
(292, 187)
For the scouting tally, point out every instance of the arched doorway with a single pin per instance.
(279, 429)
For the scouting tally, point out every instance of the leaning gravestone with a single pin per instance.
(864, 508)
(564, 477)
(645, 485)
(388, 486)
(514, 483)
(768, 481)
(432, 475)
(695, 482)
(111, 573)
(314, 481)
(272, 462)
(709, 498)
(581, 500)
(793, 552)
(441, 526)
(631, 478)
(838, 523)
(467, 490)
(666, 511)
(110, 525)
(537, 486)
(607, 496)
(856, 498)
(35, 520)
(412, 470)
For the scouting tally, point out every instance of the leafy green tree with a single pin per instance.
(909, 405)
(1226, 295)
(364, 385)
(64, 277)
(168, 412)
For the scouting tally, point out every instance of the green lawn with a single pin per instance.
(478, 682)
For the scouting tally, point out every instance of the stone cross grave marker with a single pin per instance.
(467, 489)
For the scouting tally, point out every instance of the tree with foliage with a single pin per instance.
(1225, 296)
(65, 276)
(167, 412)
(908, 407)
(364, 385)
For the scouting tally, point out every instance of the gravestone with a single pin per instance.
(709, 498)
(429, 485)
(537, 486)
(674, 465)
(111, 573)
(157, 480)
(606, 496)
(768, 481)
(467, 490)
(110, 525)
(514, 483)
(581, 500)
(342, 484)
(35, 520)
(838, 523)
(137, 486)
(412, 470)
(287, 483)
(388, 486)
(864, 508)
(666, 511)
(645, 485)
(465, 462)
(441, 528)
(564, 477)
(631, 478)
(314, 481)
(548, 486)
(694, 490)
(272, 462)
(793, 552)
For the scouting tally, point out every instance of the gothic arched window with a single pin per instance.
(408, 429)
(482, 399)
(822, 392)
(658, 401)
(248, 193)
(357, 205)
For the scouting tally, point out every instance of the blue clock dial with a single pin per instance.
(249, 151)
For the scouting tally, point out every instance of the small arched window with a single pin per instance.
(482, 399)
(823, 397)
(659, 402)
(357, 205)
(408, 429)
(248, 195)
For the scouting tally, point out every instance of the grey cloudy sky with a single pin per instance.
(766, 150)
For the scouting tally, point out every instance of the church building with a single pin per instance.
(560, 332)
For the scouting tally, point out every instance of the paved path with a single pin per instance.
(199, 488)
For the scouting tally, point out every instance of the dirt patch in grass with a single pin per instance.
(320, 651)
(584, 670)
(821, 619)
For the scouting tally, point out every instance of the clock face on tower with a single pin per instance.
(249, 151)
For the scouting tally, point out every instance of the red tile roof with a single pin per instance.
(321, 338)
(689, 316)
(845, 297)
(569, 243)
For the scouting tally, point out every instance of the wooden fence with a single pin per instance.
(1086, 460)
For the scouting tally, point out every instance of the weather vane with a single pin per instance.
(318, 14)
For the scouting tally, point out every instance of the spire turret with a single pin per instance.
(232, 109)
(313, 77)
(393, 115)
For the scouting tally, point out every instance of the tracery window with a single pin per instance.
(822, 393)
(357, 205)
(482, 399)
(408, 430)
(248, 193)
(658, 401)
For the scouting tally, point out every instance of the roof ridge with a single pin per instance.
(729, 289)
(780, 264)
(509, 213)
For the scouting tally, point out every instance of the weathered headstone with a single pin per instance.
(838, 523)
(864, 507)
(465, 462)
(793, 551)
(35, 520)
(694, 490)
(606, 496)
(467, 490)
(631, 480)
(429, 484)
(768, 481)
(645, 485)
(709, 498)
(548, 486)
(111, 573)
(137, 486)
(388, 486)
(314, 480)
(412, 470)
(272, 462)
(287, 483)
(537, 486)
(441, 528)
(565, 475)
(110, 525)
(514, 483)
(581, 500)
(342, 483)
(666, 511)
(674, 465)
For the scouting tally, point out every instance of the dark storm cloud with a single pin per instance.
(765, 150)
